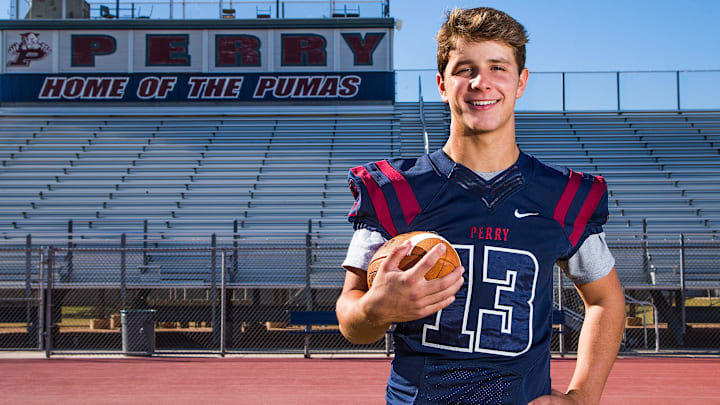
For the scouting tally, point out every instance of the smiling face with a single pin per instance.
(481, 83)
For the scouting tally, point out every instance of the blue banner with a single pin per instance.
(173, 87)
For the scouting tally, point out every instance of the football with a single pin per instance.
(422, 242)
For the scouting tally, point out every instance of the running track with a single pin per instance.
(184, 380)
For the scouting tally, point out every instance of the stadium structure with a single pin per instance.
(197, 169)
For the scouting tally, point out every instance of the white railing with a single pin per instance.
(618, 91)
(422, 117)
(630, 300)
(211, 9)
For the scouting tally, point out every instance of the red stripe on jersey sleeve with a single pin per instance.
(567, 197)
(408, 201)
(591, 202)
(377, 198)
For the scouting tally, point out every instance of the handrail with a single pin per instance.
(618, 91)
(631, 300)
(578, 318)
(434, 70)
(195, 9)
(422, 116)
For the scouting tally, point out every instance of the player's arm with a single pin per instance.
(354, 321)
(599, 342)
(604, 301)
(600, 337)
(396, 296)
(592, 268)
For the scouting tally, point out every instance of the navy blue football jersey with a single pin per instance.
(492, 344)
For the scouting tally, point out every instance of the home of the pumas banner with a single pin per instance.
(72, 63)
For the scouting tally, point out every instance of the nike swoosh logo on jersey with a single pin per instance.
(519, 215)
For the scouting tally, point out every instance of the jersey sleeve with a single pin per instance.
(582, 209)
(362, 247)
(592, 260)
(384, 201)
(362, 214)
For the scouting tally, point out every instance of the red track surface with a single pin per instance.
(305, 381)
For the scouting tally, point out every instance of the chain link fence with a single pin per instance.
(232, 295)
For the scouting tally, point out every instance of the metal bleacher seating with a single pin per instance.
(185, 175)
(662, 170)
(660, 167)
(191, 176)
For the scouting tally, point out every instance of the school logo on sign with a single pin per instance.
(29, 48)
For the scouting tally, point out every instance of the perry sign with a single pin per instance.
(231, 65)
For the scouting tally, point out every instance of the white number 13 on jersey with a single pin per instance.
(505, 326)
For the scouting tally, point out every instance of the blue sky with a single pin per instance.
(571, 35)
(567, 34)
(584, 35)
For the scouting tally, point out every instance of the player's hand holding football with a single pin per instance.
(405, 295)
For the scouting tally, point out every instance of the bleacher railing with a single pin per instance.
(426, 139)
(222, 9)
(224, 295)
(615, 91)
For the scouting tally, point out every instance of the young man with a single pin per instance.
(482, 333)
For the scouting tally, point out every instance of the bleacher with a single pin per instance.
(662, 171)
(184, 175)
(192, 176)
(660, 167)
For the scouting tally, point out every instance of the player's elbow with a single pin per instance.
(354, 327)
(360, 337)
(358, 332)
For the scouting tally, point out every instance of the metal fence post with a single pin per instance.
(562, 75)
(223, 311)
(123, 271)
(561, 335)
(617, 83)
(682, 282)
(213, 288)
(308, 290)
(235, 248)
(41, 306)
(28, 287)
(48, 302)
(677, 87)
(308, 267)
(146, 258)
(69, 255)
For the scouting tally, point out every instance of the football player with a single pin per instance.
(482, 333)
